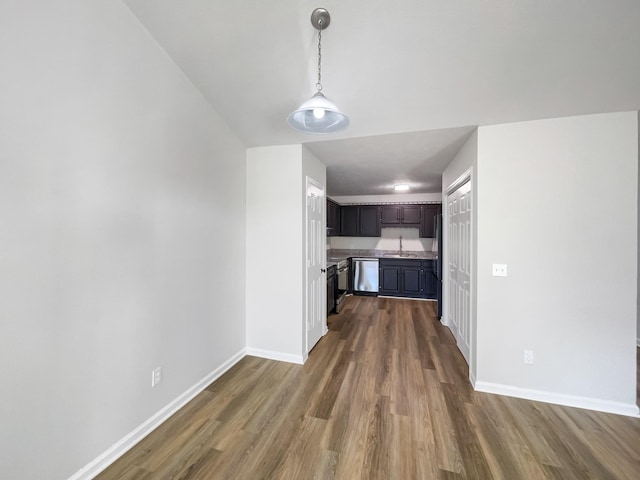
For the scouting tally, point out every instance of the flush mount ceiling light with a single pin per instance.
(319, 115)
(401, 187)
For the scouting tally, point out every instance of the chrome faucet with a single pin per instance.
(400, 244)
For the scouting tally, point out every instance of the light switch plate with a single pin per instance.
(156, 376)
(528, 357)
(499, 270)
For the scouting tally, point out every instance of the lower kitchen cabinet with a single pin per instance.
(411, 278)
(413, 281)
(430, 279)
(389, 279)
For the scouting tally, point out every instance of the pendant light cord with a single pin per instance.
(318, 115)
(319, 84)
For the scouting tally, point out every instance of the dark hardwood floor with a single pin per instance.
(384, 395)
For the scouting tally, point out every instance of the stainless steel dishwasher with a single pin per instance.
(365, 276)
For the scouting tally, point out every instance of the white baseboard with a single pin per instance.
(109, 456)
(409, 298)
(472, 379)
(272, 355)
(628, 409)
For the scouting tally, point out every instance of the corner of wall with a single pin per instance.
(638, 226)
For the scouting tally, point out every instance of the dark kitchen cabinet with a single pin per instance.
(360, 221)
(349, 221)
(411, 214)
(389, 278)
(390, 215)
(430, 279)
(428, 224)
(410, 278)
(333, 218)
(400, 215)
(369, 221)
(413, 280)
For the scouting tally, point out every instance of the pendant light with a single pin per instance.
(319, 115)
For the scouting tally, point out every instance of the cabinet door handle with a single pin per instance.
(323, 270)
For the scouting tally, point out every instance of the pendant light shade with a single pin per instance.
(319, 115)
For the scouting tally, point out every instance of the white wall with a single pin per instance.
(116, 181)
(275, 249)
(465, 159)
(464, 163)
(389, 239)
(572, 259)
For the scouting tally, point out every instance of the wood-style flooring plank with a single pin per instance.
(384, 395)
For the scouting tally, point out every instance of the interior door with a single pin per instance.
(316, 301)
(452, 247)
(459, 244)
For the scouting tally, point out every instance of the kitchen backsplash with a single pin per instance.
(389, 240)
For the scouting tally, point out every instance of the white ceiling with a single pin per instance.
(404, 66)
(372, 165)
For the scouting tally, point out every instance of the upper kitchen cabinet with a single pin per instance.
(349, 221)
(333, 218)
(428, 224)
(400, 215)
(360, 221)
(369, 221)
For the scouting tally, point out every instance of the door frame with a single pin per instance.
(312, 183)
(467, 176)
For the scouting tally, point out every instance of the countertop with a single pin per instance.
(334, 256)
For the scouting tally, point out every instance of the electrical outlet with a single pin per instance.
(528, 357)
(499, 270)
(156, 376)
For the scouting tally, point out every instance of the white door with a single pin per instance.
(316, 296)
(459, 246)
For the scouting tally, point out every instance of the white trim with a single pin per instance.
(628, 409)
(466, 177)
(458, 182)
(106, 458)
(410, 298)
(311, 182)
(272, 355)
